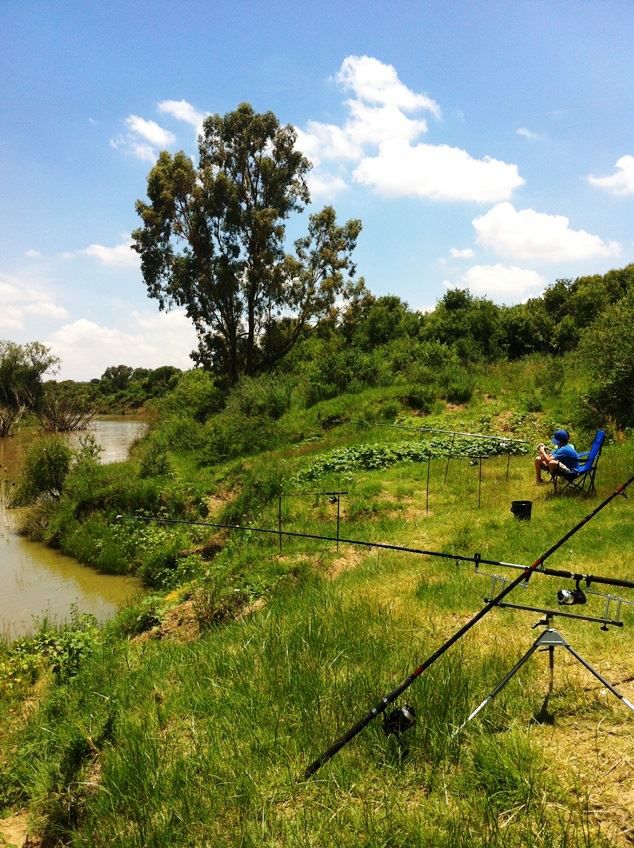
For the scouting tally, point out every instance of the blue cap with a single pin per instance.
(560, 437)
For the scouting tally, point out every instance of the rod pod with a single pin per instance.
(549, 639)
(384, 703)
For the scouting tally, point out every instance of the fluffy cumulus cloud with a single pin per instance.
(116, 256)
(621, 181)
(375, 82)
(182, 110)
(325, 185)
(150, 340)
(145, 138)
(19, 300)
(501, 283)
(535, 236)
(150, 131)
(379, 142)
(112, 256)
(438, 172)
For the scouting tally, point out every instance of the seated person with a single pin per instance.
(563, 461)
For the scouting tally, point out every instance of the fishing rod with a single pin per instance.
(388, 699)
(477, 559)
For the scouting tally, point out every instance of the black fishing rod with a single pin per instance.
(394, 694)
(457, 558)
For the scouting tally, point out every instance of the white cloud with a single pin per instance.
(438, 172)
(46, 308)
(32, 254)
(464, 253)
(144, 341)
(143, 139)
(11, 317)
(19, 299)
(529, 134)
(182, 111)
(501, 283)
(376, 82)
(621, 182)
(326, 141)
(325, 185)
(117, 256)
(536, 236)
(143, 151)
(150, 131)
(379, 141)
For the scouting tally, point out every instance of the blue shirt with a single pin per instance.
(567, 455)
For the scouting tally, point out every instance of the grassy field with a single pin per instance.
(193, 726)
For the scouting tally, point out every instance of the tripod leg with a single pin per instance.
(600, 677)
(542, 716)
(499, 687)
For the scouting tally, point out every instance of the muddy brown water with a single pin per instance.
(38, 582)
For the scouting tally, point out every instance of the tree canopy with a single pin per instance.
(21, 371)
(213, 241)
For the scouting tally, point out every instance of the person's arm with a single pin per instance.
(543, 453)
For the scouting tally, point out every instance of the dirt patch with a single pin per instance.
(211, 546)
(601, 757)
(347, 558)
(180, 624)
(14, 831)
(218, 501)
(251, 608)
(503, 420)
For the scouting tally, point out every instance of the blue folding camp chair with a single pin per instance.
(583, 478)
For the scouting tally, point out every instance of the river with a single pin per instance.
(36, 581)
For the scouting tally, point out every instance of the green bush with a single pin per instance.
(46, 466)
(228, 436)
(64, 649)
(258, 486)
(180, 432)
(195, 395)
(607, 350)
(155, 460)
(421, 399)
(268, 396)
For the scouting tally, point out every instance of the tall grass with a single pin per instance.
(161, 743)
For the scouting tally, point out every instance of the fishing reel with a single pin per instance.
(399, 720)
(569, 597)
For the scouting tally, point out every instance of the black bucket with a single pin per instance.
(522, 510)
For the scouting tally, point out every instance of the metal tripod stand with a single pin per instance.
(549, 639)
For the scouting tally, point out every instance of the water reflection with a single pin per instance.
(36, 581)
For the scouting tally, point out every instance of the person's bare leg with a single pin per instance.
(539, 465)
(553, 466)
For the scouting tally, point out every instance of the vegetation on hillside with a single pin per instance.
(191, 719)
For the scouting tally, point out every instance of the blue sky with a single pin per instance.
(483, 144)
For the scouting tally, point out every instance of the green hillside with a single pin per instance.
(191, 719)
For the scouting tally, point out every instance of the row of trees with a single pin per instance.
(213, 241)
(479, 329)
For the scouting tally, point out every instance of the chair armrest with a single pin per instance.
(584, 454)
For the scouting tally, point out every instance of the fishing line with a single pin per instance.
(477, 559)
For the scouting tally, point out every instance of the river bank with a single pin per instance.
(39, 581)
